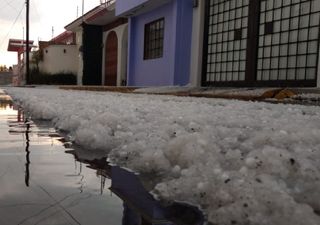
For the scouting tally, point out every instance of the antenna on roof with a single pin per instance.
(52, 32)
(82, 9)
(106, 3)
(77, 11)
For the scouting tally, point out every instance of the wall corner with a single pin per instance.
(318, 72)
(197, 44)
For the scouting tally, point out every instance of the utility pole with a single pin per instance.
(27, 44)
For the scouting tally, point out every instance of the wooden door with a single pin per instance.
(111, 60)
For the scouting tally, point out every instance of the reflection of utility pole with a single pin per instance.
(27, 173)
(102, 184)
(27, 44)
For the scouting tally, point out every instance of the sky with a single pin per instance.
(44, 14)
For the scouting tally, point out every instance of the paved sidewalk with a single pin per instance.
(275, 95)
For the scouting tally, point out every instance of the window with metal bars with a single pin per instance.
(227, 40)
(288, 40)
(153, 40)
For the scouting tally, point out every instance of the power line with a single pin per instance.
(12, 26)
(36, 11)
(7, 3)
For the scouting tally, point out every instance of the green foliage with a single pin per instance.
(37, 77)
(37, 57)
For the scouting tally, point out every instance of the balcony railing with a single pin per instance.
(107, 2)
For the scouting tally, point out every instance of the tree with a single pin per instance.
(37, 57)
(3, 68)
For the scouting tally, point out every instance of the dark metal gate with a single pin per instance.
(92, 54)
(261, 42)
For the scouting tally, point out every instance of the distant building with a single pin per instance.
(101, 38)
(59, 55)
(19, 70)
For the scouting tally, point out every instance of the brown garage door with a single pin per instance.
(111, 60)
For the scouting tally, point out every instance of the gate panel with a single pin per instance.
(281, 48)
(227, 33)
(288, 40)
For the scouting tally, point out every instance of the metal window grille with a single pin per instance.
(153, 41)
(281, 47)
(290, 52)
(227, 34)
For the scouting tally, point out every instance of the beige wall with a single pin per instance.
(55, 60)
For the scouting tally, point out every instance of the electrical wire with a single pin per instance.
(6, 4)
(37, 12)
(12, 26)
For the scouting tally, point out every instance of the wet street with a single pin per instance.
(41, 182)
(44, 180)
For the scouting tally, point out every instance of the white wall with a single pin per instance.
(318, 74)
(122, 35)
(79, 56)
(59, 59)
(197, 44)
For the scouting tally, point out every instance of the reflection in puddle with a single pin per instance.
(27, 177)
(59, 189)
(139, 206)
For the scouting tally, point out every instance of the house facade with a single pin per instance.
(59, 55)
(159, 41)
(233, 42)
(101, 39)
(19, 70)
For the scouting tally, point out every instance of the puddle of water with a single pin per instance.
(41, 184)
(43, 180)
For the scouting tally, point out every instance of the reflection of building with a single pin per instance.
(140, 208)
(3, 106)
(19, 46)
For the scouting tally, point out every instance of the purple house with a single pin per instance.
(159, 46)
(247, 43)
